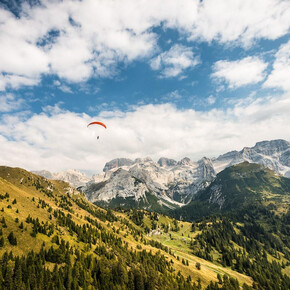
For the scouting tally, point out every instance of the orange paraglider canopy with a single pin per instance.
(97, 123)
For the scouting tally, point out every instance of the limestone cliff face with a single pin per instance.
(274, 154)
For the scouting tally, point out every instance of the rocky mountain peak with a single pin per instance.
(274, 154)
(143, 160)
(44, 173)
(228, 155)
(74, 177)
(271, 147)
(118, 162)
(185, 161)
(206, 169)
(166, 162)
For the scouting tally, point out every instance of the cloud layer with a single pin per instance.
(57, 139)
(76, 40)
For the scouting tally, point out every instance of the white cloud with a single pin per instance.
(211, 100)
(58, 139)
(9, 103)
(175, 61)
(249, 70)
(280, 75)
(80, 39)
(15, 81)
(172, 96)
(241, 21)
(63, 87)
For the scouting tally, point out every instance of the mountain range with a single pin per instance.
(167, 183)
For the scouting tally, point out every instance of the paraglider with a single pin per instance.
(97, 123)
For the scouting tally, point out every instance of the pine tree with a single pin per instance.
(1, 242)
(8, 284)
(138, 280)
(17, 274)
(1, 279)
(12, 239)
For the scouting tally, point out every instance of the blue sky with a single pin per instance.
(169, 78)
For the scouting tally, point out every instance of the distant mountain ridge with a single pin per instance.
(172, 183)
(72, 176)
(238, 188)
(274, 154)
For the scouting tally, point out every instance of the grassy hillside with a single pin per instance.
(224, 245)
(78, 245)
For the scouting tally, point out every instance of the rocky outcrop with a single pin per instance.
(166, 162)
(273, 154)
(74, 177)
(116, 163)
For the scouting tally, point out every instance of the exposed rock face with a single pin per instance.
(74, 177)
(175, 182)
(121, 184)
(216, 195)
(116, 163)
(205, 169)
(185, 161)
(166, 162)
(274, 154)
(44, 173)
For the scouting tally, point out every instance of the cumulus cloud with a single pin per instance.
(9, 103)
(63, 87)
(58, 139)
(280, 75)
(249, 70)
(211, 100)
(175, 61)
(241, 21)
(77, 40)
(13, 81)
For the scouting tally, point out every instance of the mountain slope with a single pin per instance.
(240, 186)
(78, 245)
(244, 219)
(123, 189)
